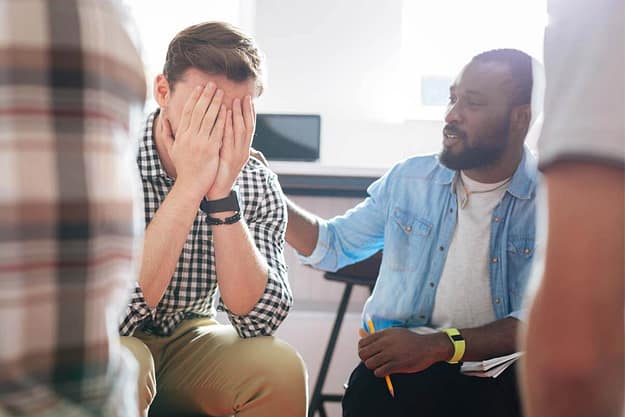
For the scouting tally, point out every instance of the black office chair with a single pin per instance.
(361, 273)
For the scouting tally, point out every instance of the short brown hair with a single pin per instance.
(216, 48)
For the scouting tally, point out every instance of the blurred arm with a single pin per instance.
(575, 357)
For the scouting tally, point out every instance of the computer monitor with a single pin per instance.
(288, 137)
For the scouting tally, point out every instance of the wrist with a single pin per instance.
(458, 344)
(228, 209)
(446, 348)
(217, 194)
(188, 190)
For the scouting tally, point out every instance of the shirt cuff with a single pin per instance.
(519, 315)
(321, 249)
(136, 312)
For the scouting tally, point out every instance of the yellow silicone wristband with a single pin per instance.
(459, 344)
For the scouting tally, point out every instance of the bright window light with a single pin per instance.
(440, 37)
(157, 22)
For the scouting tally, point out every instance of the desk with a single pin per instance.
(314, 179)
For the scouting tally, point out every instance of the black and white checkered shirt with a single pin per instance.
(192, 291)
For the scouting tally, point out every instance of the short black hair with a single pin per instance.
(520, 65)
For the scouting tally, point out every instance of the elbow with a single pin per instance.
(151, 297)
(152, 302)
(239, 310)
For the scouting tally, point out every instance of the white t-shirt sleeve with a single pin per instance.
(584, 112)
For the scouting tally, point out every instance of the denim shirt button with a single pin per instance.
(494, 260)
(408, 229)
(497, 219)
(497, 301)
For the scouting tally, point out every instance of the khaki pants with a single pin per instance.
(205, 368)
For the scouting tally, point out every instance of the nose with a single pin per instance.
(453, 113)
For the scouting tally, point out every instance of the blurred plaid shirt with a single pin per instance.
(71, 85)
(192, 291)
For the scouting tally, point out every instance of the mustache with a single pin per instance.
(453, 130)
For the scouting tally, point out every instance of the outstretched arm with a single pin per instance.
(302, 230)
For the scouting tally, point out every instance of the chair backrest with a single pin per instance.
(364, 272)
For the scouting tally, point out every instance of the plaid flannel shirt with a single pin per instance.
(193, 287)
(71, 84)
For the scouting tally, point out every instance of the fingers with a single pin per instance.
(228, 139)
(375, 361)
(367, 351)
(217, 134)
(249, 116)
(211, 114)
(187, 111)
(368, 339)
(381, 364)
(385, 369)
(238, 121)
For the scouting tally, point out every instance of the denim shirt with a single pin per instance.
(411, 214)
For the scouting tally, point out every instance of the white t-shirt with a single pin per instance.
(584, 112)
(463, 297)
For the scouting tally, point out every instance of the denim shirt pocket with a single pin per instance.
(520, 254)
(407, 240)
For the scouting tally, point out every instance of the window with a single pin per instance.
(157, 22)
(439, 37)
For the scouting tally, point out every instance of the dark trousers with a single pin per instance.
(439, 391)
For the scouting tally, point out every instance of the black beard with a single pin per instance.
(474, 157)
(477, 156)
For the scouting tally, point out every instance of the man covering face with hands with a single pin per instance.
(215, 221)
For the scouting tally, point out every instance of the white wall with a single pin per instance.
(341, 59)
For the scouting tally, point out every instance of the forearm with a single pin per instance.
(302, 229)
(407, 352)
(242, 272)
(574, 342)
(164, 239)
(494, 339)
(569, 370)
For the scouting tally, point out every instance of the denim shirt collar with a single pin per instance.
(524, 179)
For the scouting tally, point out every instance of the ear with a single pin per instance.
(162, 90)
(520, 118)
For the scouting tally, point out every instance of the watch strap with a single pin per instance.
(229, 203)
(459, 344)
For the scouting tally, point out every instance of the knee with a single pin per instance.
(285, 367)
(363, 393)
(278, 375)
(147, 375)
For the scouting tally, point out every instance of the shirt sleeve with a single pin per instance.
(585, 80)
(267, 227)
(355, 235)
(137, 311)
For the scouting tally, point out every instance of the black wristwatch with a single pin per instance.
(230, 203)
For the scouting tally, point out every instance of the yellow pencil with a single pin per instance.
(387, 378)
